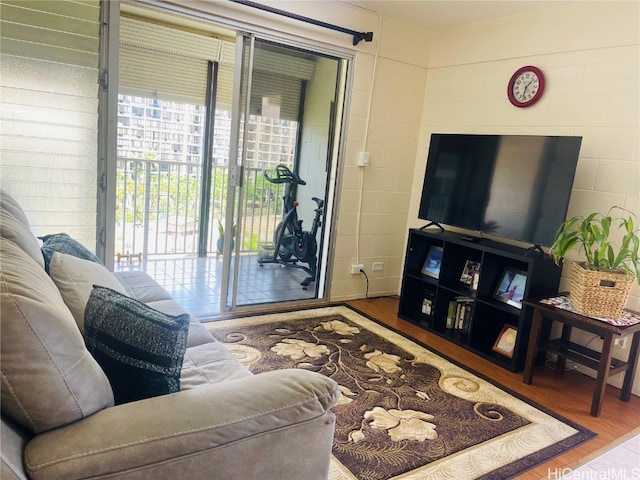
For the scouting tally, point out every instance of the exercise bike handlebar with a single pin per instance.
(284, 175)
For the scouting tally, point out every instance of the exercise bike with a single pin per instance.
(292, 244)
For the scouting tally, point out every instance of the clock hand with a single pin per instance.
(524, 92)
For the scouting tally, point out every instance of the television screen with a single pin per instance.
(512, 186)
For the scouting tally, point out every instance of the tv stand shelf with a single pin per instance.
(487, 311)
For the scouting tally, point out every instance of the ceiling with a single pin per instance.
(436, 14)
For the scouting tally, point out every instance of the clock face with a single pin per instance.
(526, 86)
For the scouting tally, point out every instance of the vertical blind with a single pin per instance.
(49, 73)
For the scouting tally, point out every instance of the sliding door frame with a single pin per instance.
(236, 164)
(107, 132)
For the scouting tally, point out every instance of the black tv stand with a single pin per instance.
(474, 317)
(433, 224)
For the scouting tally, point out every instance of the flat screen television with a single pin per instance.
(510, 186)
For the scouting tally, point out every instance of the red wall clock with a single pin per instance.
(525, 86)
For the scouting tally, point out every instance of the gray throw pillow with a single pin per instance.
(139, 348)
(63, 243)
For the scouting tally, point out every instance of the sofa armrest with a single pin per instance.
(196, 433)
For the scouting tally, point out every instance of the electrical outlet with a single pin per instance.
(377, 266)
(355, 268)
(620, 342)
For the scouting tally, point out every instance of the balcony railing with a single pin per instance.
(158, 208)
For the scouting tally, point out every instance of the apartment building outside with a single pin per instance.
(160, 145)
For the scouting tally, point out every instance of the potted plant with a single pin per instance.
(220, 242)
(600, 285)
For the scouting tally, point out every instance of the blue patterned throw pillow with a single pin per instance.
(139, 348)
(63, 243)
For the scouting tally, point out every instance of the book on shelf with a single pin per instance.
(459, 314)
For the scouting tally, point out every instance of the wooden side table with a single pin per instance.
(603, 362)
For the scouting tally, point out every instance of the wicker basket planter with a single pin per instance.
(598, 294)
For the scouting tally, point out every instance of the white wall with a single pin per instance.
(384, 120)
(590, 55)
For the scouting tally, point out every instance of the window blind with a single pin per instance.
(159, 61)
(49, 55)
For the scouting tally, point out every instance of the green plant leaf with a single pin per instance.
(591, 234)
(611, 257)
(606, 226)
(596, 232)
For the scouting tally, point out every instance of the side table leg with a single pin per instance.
(561, 362)
(532, 348)
(629, 375)
(603, 374)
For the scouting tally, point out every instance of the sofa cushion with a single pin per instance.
(140, 349)
(19, 233)
(210, 363)
(198, 333)
(75, 278)
(63, 243)
(9, 204)
(141, 286)
(45, 365)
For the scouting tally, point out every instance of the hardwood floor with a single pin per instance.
(568, 394)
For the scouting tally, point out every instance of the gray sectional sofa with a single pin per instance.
(61, 420)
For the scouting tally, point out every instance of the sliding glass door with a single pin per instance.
(281, 164)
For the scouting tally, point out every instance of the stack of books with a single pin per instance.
(459, 314)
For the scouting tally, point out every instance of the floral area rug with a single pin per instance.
(405, 412)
